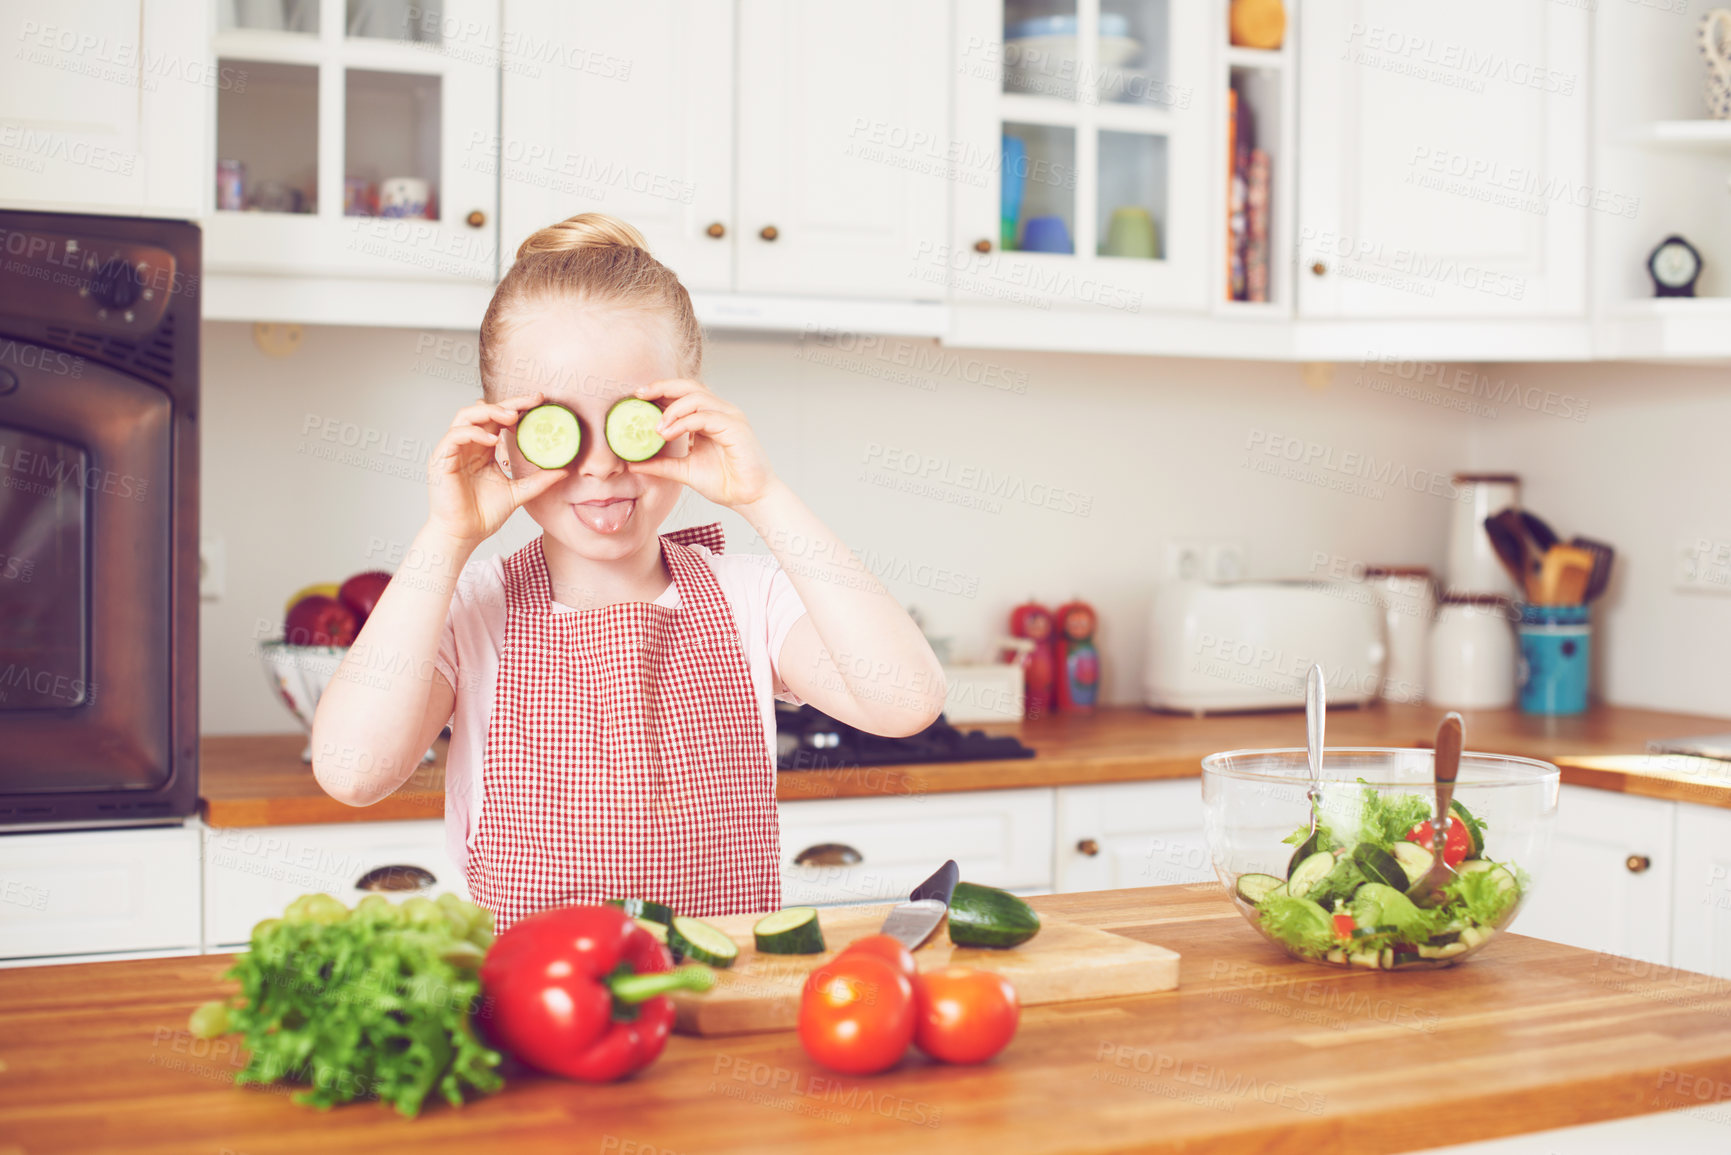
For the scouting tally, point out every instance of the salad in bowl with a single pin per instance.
(1345, 893)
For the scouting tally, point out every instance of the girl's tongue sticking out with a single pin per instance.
(607, 515)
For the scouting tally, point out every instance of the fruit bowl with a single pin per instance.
(1341, 897)
(299, 675)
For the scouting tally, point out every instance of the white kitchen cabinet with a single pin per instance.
(252, 872)
(1099, 111)
(99, 891)
(103, 107)
(1701, 899)
(843, 140)
(1444, 148)
(332, 107)
(646, 134)
(1130, 834)
(1608, 884)
(877, 849)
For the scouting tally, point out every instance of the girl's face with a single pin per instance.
(586, 358)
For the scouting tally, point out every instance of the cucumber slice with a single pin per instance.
(644, 909)
(1253, 888)
(1379, 865)
(549, 436)
(657, 930)
(985, 916)
(1305, 849)
(1309, 873)
(1414, 860)
(791, 931)
(1472, 824)
(631, 429)
(699, 941)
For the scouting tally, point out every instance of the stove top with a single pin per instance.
(808, 739)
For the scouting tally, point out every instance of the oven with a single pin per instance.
(98, 520)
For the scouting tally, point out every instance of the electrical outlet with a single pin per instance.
(212, 569)
(1186, 560)
(1703, 565)
(1225, 561)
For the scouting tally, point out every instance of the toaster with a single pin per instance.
(1248, 645)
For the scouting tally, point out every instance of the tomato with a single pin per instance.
(1344, 926)
(856, 1014)
(964, 1015)
(888, 948)
(1456, 846)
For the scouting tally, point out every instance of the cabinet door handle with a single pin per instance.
(1637, 863)
(396, 879)
(1318, 269)
(476, 218)
(1089, 847)
(982, 245)
(717, 230)
(829, 854)
(769, 232)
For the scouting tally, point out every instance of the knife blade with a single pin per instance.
(912, 922)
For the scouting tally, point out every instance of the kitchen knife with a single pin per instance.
(912, 922)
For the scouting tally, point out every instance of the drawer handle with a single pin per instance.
(717, 230)
(829, 854)
(769, 232)
(1089, 847)
(1318, 269)
(396, 879)
(982, 245)
(475, 219)
(1637, 863)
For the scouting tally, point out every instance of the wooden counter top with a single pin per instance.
(259, 780)
(1253, 1053)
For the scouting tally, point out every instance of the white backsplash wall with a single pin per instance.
(969, 480)
(1647, 470)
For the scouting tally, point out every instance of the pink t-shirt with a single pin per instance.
(765, 607)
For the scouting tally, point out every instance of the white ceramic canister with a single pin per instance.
(1474, 657)
(1407, 595)
(1473, 567)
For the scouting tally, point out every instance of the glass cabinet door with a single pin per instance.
(1091, 112)
(358, 137)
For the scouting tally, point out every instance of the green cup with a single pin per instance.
(1131, 234)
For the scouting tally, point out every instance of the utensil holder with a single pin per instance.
(1556, 659)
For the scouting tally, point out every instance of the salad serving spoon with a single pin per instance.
(1428, 891)
(1315, 717)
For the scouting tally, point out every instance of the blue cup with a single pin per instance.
(1046, 235)
(1556, 654)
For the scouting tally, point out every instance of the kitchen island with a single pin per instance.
(1254, 1052)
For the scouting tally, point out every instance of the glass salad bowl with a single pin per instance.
(1339, 896)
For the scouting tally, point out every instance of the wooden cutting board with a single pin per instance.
(1063, 963)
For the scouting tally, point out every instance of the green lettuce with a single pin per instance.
(1297, 922)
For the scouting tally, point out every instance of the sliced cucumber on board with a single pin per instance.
(1308, 873)
(549, 436)
(644, 909)
(988, 917)
(791, 931)
(1253, 888)
(699, 941)
(631, 429)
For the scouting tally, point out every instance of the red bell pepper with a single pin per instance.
(580, 991)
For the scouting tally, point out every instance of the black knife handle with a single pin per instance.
(940, 885)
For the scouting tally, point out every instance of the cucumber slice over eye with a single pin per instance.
(701, 942)
(791, 931)
(549, 436)
(631, 429)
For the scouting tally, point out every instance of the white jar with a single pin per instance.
(1473, 654)
(1407, 596)
(1473, 567)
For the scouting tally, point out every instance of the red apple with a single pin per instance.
(362, 592)
(320, 621)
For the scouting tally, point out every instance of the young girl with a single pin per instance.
(610, 689)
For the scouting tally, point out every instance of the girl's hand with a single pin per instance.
(725, 462)
(471, 497)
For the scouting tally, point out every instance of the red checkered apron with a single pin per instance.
(625, 758)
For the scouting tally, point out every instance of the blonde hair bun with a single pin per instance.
(583, 231)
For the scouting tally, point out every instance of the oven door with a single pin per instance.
(86, 537)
